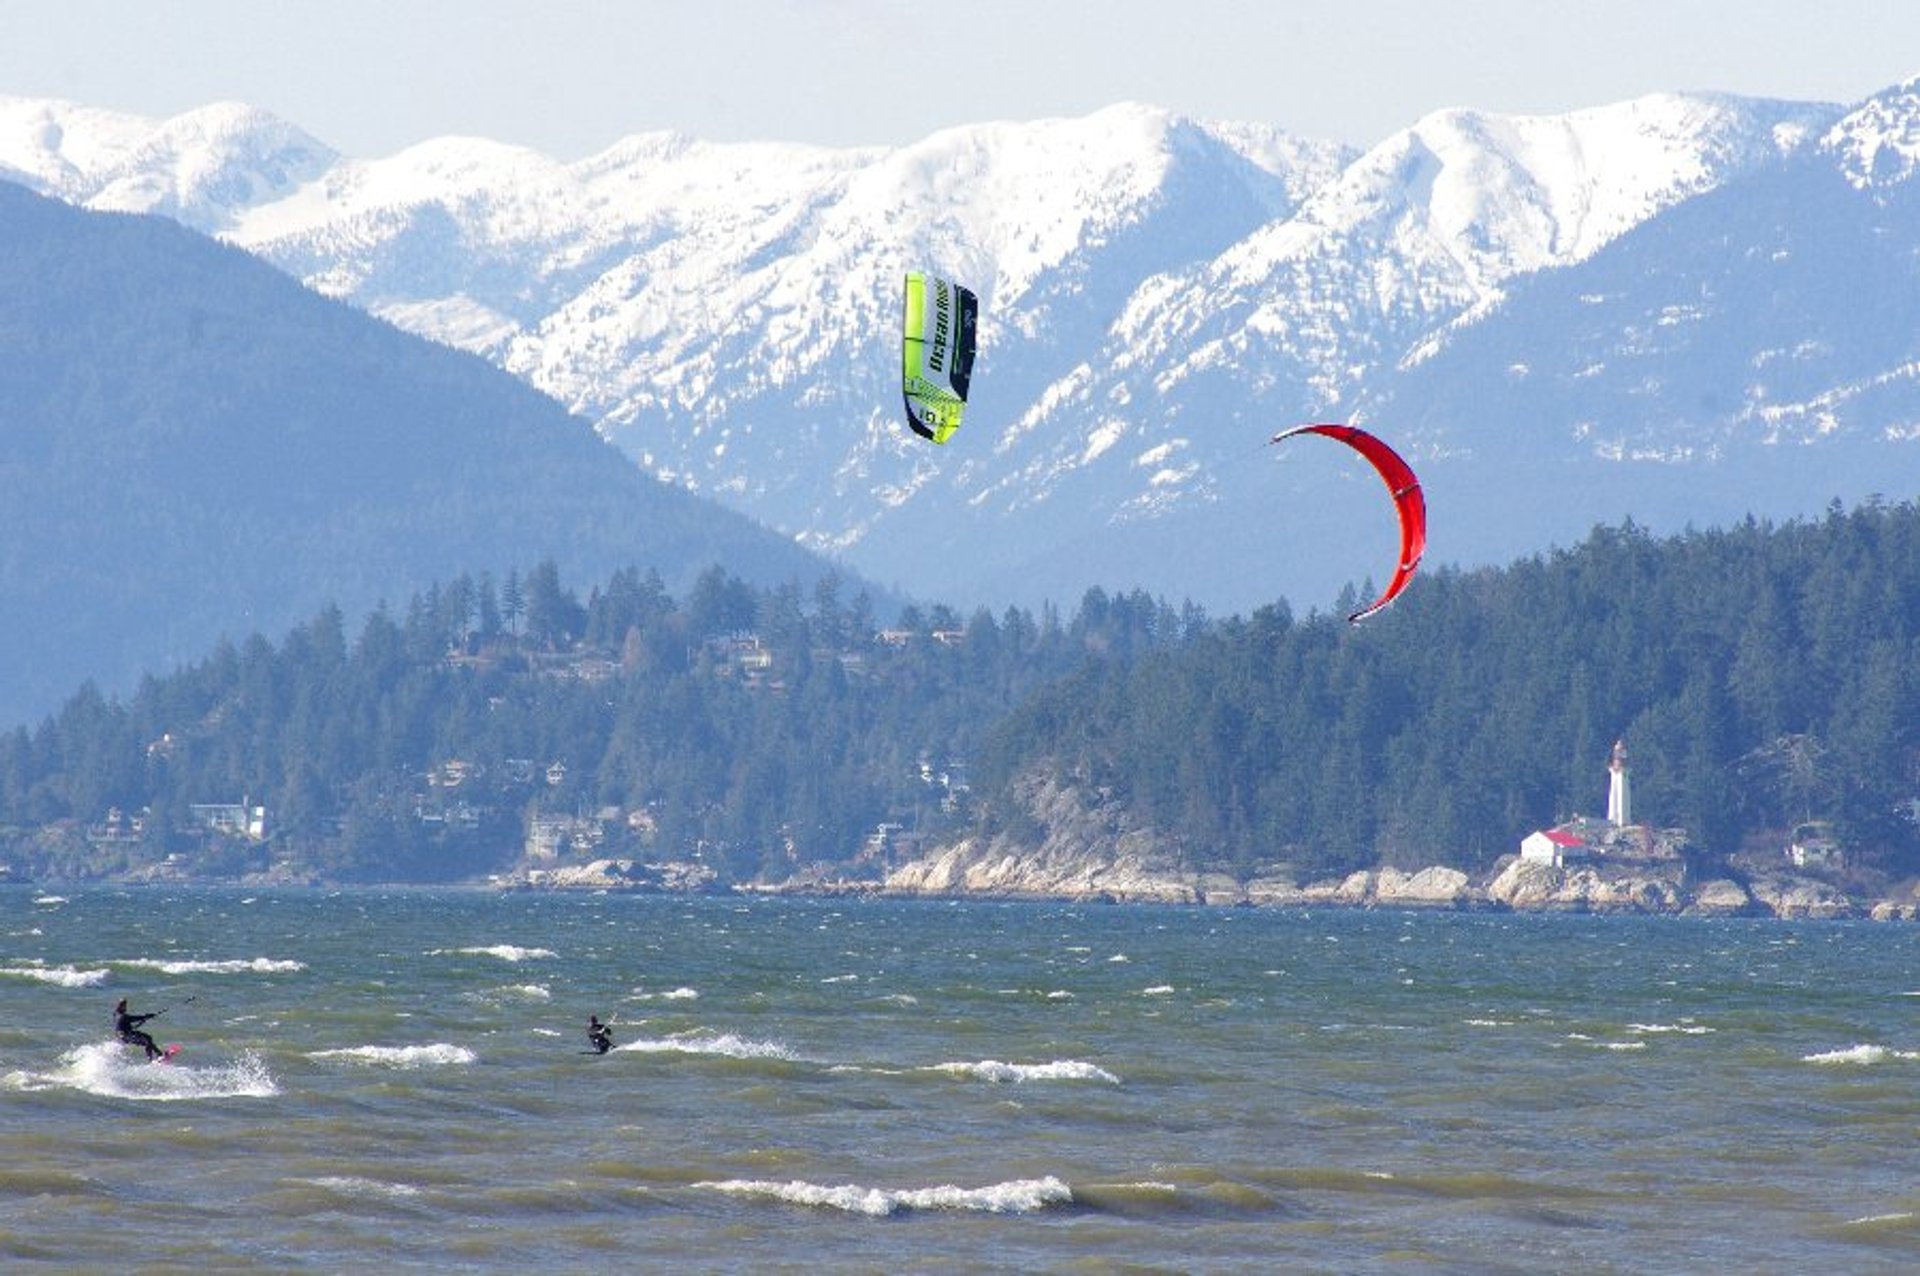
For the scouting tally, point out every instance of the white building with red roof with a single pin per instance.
(1557, 847)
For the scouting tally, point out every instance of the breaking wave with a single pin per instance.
(1859, 1055)
(242, 966)
(505, 952)
(996, 1071)
(1020, 1196)
(64, 976)
(726, 1044)
(434, 1056)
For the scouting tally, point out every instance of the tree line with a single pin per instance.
(1761, 675)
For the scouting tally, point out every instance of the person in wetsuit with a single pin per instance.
(126, 1026)
(599, 1035)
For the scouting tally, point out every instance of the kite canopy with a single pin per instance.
(1407, 499)
(938, 354)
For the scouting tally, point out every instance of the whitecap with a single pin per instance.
(439, 1054)
(241, 966)
(64, 976)
(1685, 1029)
(355, 1185)
(672, 994)
(1019, 1196)
(1059, 1070)
(1158, 990)
(49, 899)
(1060, 994)
(1861, 1055)
(701, 1041)
(525, 992)
(505, 952)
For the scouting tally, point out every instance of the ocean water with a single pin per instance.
(385, 1081)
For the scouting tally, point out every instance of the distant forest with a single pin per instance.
(1761, 676)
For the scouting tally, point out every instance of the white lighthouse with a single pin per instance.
(1619, 797)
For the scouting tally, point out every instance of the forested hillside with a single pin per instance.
(192, 444)
(1761, 676)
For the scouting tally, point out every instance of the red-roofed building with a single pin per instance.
(1556, 847)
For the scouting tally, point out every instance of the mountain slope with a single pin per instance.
(194, 444)
(1159, 295)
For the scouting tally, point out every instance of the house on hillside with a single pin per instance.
(1813, 845)
(232, 819)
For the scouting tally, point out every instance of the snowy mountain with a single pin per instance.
(1679, 304)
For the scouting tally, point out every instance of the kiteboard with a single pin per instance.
(167, 1052)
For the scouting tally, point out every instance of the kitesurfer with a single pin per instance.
(126, 1026)
(599, 1035)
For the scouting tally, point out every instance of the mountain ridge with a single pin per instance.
(1159, 295)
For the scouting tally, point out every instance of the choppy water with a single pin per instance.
(381, 1081)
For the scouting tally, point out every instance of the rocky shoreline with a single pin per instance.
(1517, 886)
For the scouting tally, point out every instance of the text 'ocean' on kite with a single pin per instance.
(938, 354)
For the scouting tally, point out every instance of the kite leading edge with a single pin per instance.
(1407, 499)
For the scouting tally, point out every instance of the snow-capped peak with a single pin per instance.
(1878, 143)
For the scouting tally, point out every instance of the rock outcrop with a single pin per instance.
(1091, 850)
(1542, 887)
(1787, 896)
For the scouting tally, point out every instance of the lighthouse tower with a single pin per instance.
(1619, 798)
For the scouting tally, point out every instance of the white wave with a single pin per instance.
(437, 1055)
(1060, 994)
(899, 999)
(1489, 1023)
(1158, 990)
(65, 976)
(1861, 1055)
(49, 899)
(532, 992)
(1020, 1196)
(701, 1041)
(1624, 1045)
(114, 1071)
(505, 952)
(1059, 1070)
(1685, 1029)
(355, 1185)
(841, 979)
(1119, 957)
(674, 994)
(241, 966)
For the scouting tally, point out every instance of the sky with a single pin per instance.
(570, 77)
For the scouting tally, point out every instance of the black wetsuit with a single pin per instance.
(127, 1028)
(600, 1036)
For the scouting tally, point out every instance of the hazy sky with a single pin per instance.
(568, 77)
